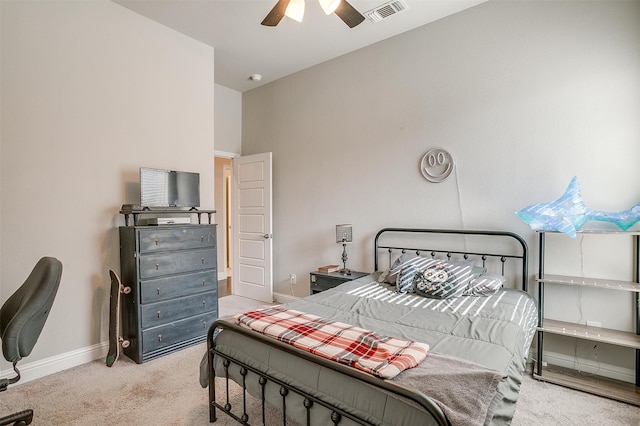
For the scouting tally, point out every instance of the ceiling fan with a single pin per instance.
(295, 9)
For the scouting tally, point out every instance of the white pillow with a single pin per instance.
(485, 285)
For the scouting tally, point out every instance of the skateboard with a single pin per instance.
(115, 340)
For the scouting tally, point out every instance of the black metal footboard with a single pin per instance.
(310, 402)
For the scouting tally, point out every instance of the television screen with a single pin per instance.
(169, 188)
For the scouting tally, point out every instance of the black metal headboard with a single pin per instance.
(485, 246)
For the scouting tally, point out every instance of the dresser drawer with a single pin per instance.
(159, 313)
(178, 238)
(159, 289)
(159, 264)
(170, 334)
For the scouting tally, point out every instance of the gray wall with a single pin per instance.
(525, 95)
(228, 132)
(90, 92)
(228, 136)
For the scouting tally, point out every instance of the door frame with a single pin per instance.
(219, 209)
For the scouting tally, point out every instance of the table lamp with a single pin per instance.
(344, 237)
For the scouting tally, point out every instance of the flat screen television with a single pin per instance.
(169, 188)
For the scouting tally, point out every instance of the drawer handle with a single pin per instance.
(157, 266)
(204, 324)
(156, 241)
(159, 337)
(202, 238)
(158, 290)
(204, 283)
(202, 260)
(158, 314)
(204, 303)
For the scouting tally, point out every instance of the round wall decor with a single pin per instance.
(437, 165)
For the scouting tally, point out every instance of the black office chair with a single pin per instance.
(22, 318)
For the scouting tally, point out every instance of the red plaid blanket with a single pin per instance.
(374, 353)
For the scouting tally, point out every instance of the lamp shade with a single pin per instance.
(343, 233)
(295, 10)
(329, 6)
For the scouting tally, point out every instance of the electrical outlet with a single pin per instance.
(292, 278)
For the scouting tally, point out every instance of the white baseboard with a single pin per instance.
(37, 369)
(44, 367)
(283, 298)
(587, 366)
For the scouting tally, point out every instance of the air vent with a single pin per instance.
(386, 10)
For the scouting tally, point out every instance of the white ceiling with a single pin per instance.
(244, 47)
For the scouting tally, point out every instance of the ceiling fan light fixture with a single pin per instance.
(329, 6)
(295, 10)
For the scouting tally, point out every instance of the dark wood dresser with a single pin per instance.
(173, 277)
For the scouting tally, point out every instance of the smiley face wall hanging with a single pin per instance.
(437, 165)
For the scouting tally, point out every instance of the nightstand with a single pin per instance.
(321, 281)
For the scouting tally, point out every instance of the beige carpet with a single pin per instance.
(166, 392)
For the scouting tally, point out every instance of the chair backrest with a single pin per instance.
(23, 315)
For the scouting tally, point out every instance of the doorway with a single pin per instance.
(222, 189)
(227, 212)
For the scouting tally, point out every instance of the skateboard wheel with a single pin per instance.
(125, 343)
(126, 290)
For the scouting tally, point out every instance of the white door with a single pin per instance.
(251, 217)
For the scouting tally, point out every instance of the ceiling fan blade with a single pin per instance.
(274, 17)
(349, 14)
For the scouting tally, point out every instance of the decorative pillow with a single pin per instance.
(391, 275)
(485, 285)
(384, 277)
(476, 271)
(404, 283)
(441, 279)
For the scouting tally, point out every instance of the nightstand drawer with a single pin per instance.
(321, 281)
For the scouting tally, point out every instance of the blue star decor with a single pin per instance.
(568, 214)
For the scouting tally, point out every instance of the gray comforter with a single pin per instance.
(478, 349)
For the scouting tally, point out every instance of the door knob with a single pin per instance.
(266, 236)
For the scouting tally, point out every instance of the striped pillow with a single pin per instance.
(406, 277)
(390, 276)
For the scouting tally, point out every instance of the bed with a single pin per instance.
(478, 338)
